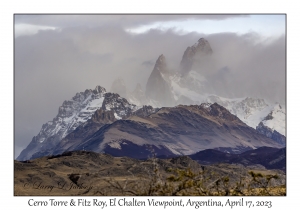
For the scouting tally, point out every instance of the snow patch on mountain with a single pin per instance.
(116, 144)
(275, 118)
(117, 116)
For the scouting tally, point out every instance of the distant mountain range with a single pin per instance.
(120, 128)
(270, 158)
(173, 116)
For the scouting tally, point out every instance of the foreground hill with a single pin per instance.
(89, 173)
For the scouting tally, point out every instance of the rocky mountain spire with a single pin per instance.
(200, 48)
(160, 64)
(157, 88)
(203, 46)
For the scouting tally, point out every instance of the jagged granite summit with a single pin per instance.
(200, 48)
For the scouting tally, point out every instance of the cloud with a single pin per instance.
(28, 29)
(129, 20)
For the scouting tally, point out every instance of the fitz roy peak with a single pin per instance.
(188, 86)
(199, 49)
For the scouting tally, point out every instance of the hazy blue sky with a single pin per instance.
(266, 25)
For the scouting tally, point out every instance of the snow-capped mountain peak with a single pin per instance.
(72, 114)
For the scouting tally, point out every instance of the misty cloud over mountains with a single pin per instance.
(52, 65)
(111, 20)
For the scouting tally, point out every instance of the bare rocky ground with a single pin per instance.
(88, 173)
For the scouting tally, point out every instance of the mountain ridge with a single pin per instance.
(179, 130)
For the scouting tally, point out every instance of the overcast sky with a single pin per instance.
(59, 55)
